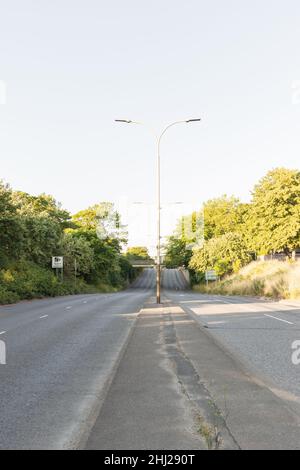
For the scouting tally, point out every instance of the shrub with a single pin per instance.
(26, 280)
(7, 297)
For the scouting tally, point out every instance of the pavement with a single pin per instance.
(145, 407)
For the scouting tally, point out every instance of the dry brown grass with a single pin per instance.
(275, 279)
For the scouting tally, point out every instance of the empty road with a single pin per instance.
(258, 333)
(170, 279)
(76, 364)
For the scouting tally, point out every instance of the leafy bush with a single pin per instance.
(7, 297)
(35, 228)
(224, 254)
(26, 280)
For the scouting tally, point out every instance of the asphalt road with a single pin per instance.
(258, 333)
(170, 279)
(146, 280)
(173, 279)
(60, 355)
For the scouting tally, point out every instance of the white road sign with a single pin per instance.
(58, 262)
(211, 275)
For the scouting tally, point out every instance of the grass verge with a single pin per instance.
(273, 279)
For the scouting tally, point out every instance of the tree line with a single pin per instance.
(35, 228)
(234, 233)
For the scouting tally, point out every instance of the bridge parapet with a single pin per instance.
(142, 263)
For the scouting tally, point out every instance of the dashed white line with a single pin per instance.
(43, 316)
(279, 319)
(2, 332)
(68, 308)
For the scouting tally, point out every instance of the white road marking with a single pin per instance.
(279, 319)
(68, 308)
(216, 322)
(84, 302)
(43, 316)
(210, 302)
(2, 332)
(230, 302)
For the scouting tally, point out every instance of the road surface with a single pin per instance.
(170, 279)
(88, 371)
(259, 333)
(60, 354)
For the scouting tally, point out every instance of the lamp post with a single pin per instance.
(158, 262)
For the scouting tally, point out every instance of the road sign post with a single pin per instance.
(75, 271)
(210, 275)
(58, 264)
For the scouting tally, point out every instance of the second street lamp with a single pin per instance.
(158, 262)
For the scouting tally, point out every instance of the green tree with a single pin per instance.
(41, 206)
(177, 254)
(273, 222)
(35, 228)
(103, 218)
(100, 226)
(190, 229)
(41, 223)
(74, 247)
(127, 272)
(187, 235)
(224, 254)
(41, 239)
(138, 252)
(222, 215)
(11, 227)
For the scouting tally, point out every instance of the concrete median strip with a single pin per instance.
(157, 400)
(146, 407)
(211, 424)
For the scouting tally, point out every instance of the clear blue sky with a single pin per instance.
(73, 66)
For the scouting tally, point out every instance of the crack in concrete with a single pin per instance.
(210, 422)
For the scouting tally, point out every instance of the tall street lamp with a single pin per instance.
(158, 263)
